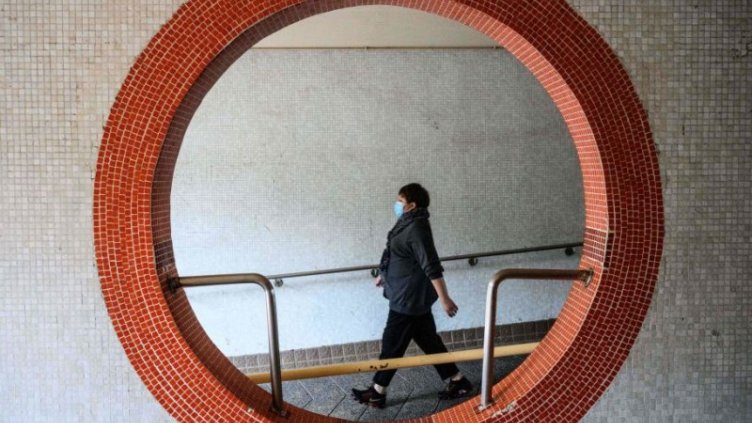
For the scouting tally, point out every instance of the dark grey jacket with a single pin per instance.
(413, 262)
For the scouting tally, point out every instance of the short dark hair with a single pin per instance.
(415, 193)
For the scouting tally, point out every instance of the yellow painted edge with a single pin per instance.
(394, 363)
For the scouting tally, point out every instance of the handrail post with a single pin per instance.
(489, 333)
(274, 362)
(271, 321)
(490, 328)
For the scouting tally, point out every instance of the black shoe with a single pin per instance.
(456, 389)
(369, 396)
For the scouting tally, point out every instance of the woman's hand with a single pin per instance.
(446, 301)
(378, 281)
(449, 306)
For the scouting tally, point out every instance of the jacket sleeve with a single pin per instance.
(421, 243)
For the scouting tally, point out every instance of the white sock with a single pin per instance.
(457, 377)
(380, 389)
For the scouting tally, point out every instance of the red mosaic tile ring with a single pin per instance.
(597, 326)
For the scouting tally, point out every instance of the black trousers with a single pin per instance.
(399, 330)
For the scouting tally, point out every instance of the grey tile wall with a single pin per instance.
(691, 63)
(63, 63)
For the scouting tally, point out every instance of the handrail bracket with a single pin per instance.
(587, 277)
(173, 284)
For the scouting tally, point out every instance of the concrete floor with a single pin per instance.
(413, 392)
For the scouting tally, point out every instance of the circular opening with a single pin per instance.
(623, 235)
(291, 161)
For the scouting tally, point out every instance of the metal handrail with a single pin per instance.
(490, 330)
(472, 260)
(271, 317)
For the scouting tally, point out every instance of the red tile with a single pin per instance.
(624, 211)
